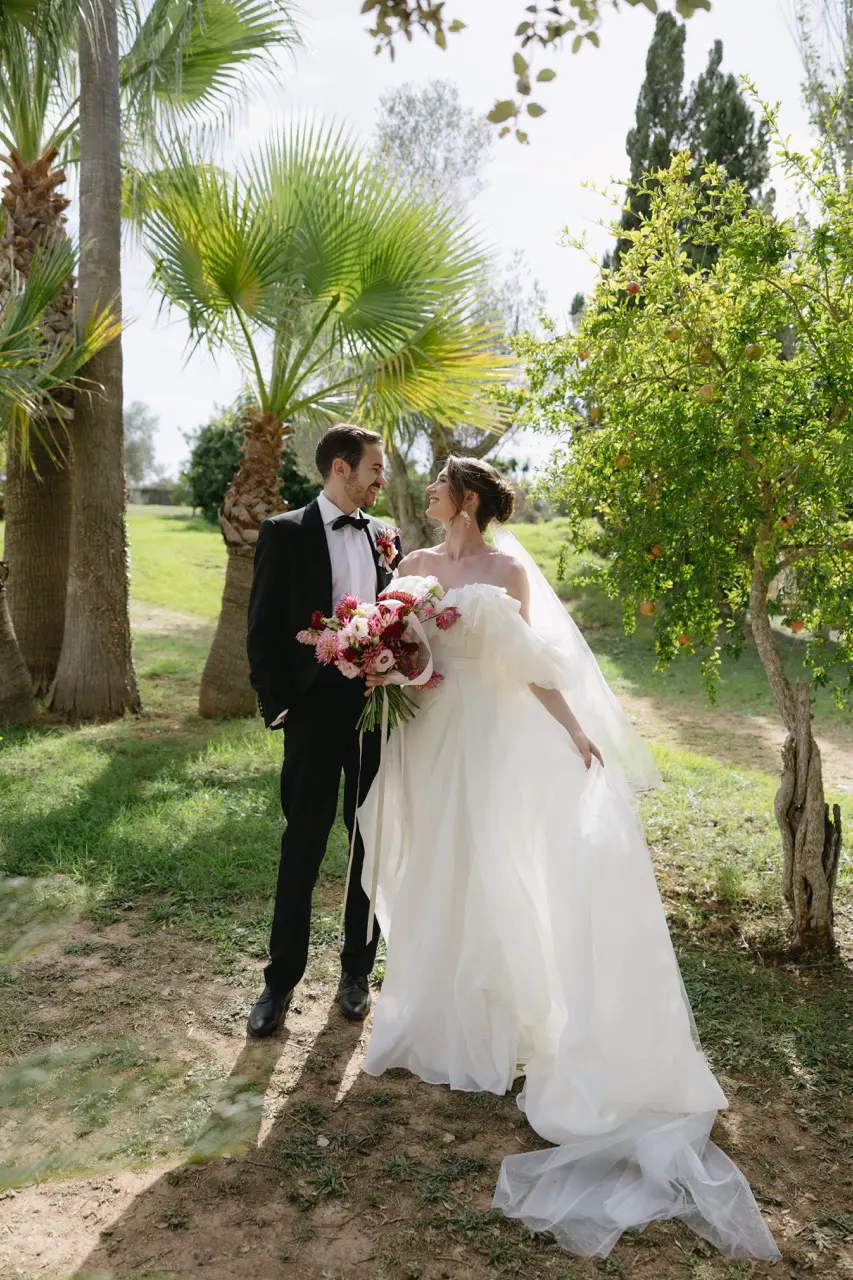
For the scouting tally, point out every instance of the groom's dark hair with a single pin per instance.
(343, 441)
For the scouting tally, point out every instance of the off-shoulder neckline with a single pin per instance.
(489, 586)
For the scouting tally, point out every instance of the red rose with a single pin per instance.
(393, 631)
(317, 619)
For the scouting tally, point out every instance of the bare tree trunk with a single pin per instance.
(225, 688)
(17, 704)
(416, 530)
(811, 839)
(38, 527)
(254, 495)
(95, 677)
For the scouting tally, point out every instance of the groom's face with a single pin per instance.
(365, 482)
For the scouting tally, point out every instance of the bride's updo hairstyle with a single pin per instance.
(472, 475)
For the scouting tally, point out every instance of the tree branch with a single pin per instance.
(803, 553)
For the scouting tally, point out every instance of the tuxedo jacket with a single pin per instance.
(292, 578)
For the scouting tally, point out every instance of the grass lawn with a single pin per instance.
(150, 852)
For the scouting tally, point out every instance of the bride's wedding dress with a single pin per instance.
(525, 933)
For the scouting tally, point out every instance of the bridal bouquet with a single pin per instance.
(383, 638)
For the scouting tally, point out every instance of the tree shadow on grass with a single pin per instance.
(133, 815)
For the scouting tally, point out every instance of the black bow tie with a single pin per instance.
(357, 522)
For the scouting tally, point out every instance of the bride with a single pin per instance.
(524, 929)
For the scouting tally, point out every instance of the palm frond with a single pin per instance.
(218, 258)
(33, 372)
(189, 58)
(390, 259)
(365, 290)
(14, 13)
(38, 80)
(450, 374)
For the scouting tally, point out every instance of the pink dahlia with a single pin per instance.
(403, 596)
(346, 607)
(328, 647)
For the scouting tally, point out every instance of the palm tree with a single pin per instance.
(181, 58)
(34, 373)
(35, 90)
(342, 293)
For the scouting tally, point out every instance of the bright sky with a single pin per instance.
(533, 192)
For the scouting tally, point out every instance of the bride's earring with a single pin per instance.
(466, 516)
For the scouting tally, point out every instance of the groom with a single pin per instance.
(305, 561)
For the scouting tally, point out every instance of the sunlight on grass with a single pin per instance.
(177, 560)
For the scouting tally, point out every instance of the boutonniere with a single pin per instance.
(386, 545)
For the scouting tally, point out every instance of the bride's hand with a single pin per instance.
(588, 750)
(373, 681)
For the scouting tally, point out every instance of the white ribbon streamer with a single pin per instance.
(394, 677)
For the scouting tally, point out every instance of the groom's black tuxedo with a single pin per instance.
(292, 579)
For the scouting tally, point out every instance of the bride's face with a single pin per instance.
(440, 505)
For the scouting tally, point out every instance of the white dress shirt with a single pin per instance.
(351, 554)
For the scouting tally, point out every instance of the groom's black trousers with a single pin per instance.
(320, 743)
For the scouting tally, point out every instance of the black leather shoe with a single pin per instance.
(268, 1011)
(354, 997)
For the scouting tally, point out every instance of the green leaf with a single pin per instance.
(522, 84)
(520, 64)
(576, 43)
(502, 132)
(687, 8)
(534, 109)
(457, 25)
(502, 111)
(546, 74)
(441, 38)
(368, 5)
(521, 135)
(592, 37)
(523, 28)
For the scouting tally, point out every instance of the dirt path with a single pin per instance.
(158, 620)
(750, 741)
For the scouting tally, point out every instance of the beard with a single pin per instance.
(360, 495)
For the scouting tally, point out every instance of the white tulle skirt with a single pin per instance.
(525, 933)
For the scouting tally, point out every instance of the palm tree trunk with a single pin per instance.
(811, 839)
(95, 677)
(17, 705)
(253, 496)
(38, 497)
(38, 526)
